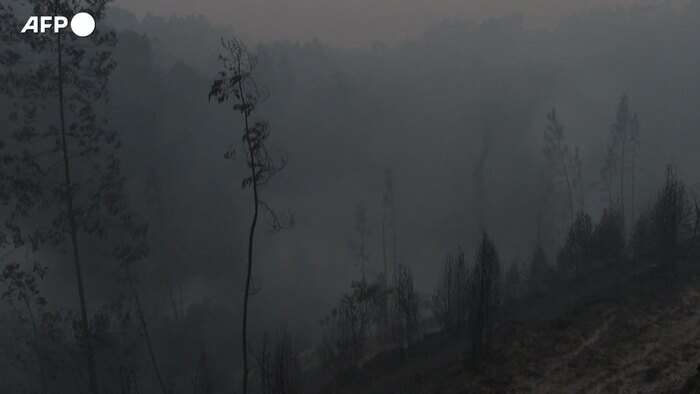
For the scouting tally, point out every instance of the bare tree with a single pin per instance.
(236, 85)
(564, 166)
(620, 162)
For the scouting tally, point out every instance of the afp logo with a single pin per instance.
(82, 24)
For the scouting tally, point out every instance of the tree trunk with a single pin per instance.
(85, 334)
(251, 238)
(246, 295)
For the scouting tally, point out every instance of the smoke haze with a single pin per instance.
(359, 22)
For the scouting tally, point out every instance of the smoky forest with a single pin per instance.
(485, 205)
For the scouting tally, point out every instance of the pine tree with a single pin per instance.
(672, 222)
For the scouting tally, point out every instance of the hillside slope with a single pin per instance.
(645, 341)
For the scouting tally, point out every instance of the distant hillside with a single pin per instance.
(647, 341)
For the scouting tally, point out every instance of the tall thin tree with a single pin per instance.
(620, 161)
(563, 165)
(56, 83)
(70, 212)
(236, 85)
(485, 296)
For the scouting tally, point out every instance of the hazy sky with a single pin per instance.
(351, 22)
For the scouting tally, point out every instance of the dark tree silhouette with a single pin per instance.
(578, 247)
(673, 222)
(563, 165)
(620, 162)
(389, 236)
(450, 301)
(236, 85)
(279, 365)
(389, 243)
(485, 296)
(22, 287)
(608, 238)
(348, 326)
(54, 82)
(407, 308)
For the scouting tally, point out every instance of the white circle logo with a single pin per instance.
(82, 24)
